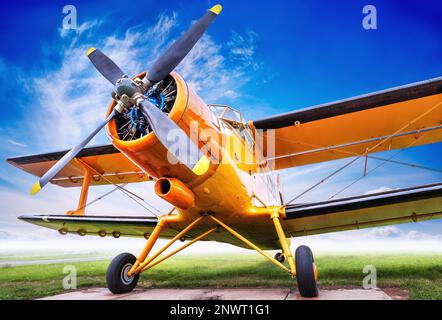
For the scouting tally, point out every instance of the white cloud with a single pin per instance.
(16, 143)
(385, 232)
(80, 29)
(72, 99)
(243, 47)
(418, 235)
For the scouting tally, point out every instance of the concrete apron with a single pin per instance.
(220, 294)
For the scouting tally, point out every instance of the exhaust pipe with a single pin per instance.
(175, 192)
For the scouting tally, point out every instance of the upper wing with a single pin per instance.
(386, 208)
(109, 166)
(397, 118)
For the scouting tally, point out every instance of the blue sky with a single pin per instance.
(263, 58)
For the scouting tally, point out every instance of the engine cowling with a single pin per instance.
(190, 112)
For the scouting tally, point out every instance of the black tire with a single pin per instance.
(305, 273)
(279, 256)
(117, 280)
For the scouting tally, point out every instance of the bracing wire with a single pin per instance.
(323, 180)
(361, 177)
(125, 191)
(403, 163)
(121, 188)
(384, 161)
(99, 198)
(367, 152)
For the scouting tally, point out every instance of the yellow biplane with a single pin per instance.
(218, 171)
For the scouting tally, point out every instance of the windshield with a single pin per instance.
(227, 113)
(235, 120)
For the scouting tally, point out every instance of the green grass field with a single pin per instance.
(420, 275)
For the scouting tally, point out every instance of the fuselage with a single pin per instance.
(236, 186)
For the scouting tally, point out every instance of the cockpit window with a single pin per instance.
(246, 134)
(232, 115)
(227, 113)
(218, 111)
(235, 120)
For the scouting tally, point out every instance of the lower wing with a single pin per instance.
(99, 225)
(380, 209)
(373, 210)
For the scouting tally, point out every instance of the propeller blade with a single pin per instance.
(181, 47)
(171, 135)
(51, 173)
(105, 65)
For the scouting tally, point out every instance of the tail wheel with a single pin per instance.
(279, 256)
(306, 272)
(117, 277)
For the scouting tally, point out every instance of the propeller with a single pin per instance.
(51, 173)
(132, 93)
(105, 65)
(180, 48)
(164, 129)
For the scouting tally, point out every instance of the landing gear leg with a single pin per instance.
(304, 268)
(120, 275)
(283, 241)
(124, 271)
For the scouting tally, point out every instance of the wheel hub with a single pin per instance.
(125, 278)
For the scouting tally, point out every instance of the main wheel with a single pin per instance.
(279, 256)
(306, 272)
(117, 277)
